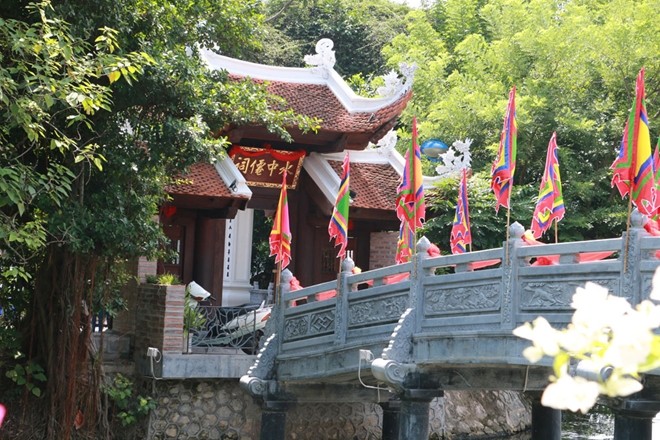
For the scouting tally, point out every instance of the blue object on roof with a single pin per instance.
(433, 148)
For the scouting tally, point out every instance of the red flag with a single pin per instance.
(505, 164)
(338, 227)
(460, 231)
(410, 204)
(633, 167)
(280, 235)
(550, 205)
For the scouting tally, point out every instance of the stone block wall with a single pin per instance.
(220, 409)
(159, 318)
(383, 249)
(194, 409)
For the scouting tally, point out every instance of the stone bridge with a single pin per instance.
(402, 335)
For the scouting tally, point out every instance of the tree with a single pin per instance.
(355, 28)
(86, 156)
(574, 65)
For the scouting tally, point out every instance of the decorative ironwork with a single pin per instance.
(230, 327)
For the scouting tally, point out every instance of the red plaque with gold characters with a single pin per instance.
(265, 166)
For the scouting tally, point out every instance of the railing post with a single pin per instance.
(279, 322)
(630, 287)
(509, 299)
(341, 307)
(417, 273)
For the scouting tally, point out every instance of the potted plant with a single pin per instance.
(193, 319)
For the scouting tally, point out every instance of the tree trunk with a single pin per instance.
(60, 340)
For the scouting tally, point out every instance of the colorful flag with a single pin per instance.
(280, 235)
(338, 227)
(404, 245)
(505, 164)
(633, 168)
(550, 205)
(410, 205)
(460, 231)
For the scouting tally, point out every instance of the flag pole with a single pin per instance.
(556, 233)
(508, 220)
(625, 251)
(277, 291)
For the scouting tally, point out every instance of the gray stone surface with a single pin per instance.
(219, 409)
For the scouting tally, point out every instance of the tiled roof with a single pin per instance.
(374, 184)
(319, 101)
(202, 179)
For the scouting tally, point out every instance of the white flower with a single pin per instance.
(571, 393)
(630, 344)
(576, 340)
(655, 291)
(595, 309)
(586, 296)
(649, 313)
(543, 336)
(620, 386)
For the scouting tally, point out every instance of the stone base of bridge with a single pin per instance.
(546, 422)
(406, 417)
(391, 412)
(629, 426)
(273, 420)
(633, 418)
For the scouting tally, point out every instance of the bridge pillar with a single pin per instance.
(414, 416)
(273, 420)
(633, 418)
(546, 422)
(391, 418)
(631, 425)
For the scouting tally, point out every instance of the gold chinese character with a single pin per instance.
(286, 168)
(272, 167)
(259, 168)
(243, 164)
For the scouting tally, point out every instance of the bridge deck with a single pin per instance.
(446, 319)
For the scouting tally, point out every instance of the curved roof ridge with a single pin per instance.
(323, 74)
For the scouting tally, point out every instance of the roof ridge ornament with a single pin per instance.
(395, 85)
(452, 163)
(324, 60)
(386, 144)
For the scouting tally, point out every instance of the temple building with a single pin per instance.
(210, 219)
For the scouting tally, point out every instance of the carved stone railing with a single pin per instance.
(443, 310)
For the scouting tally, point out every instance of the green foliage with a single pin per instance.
(26, 375)
(262, 264)
(488, 227)
(574, 66)
(99, 116)
(355, 28)
(192, 318)
(164, 279)
(127, 405)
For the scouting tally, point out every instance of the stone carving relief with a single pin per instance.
(400, 346)
(485, 297)
(295, 327)
(263, 366)
(322, 322)
(376, 310)
(556, 295)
